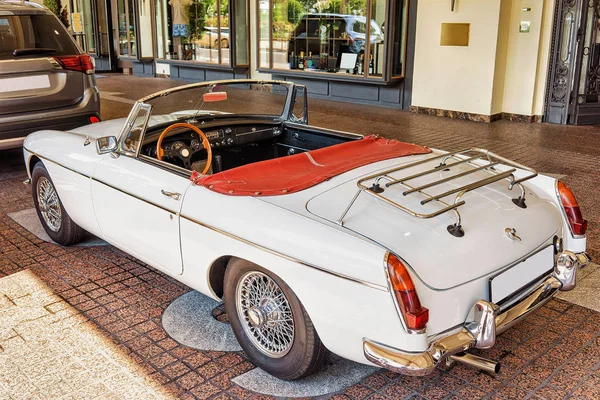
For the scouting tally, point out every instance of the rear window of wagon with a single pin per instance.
(36, 31)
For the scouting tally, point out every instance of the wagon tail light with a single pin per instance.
(415, 316)
(569, 204)
(82, 63)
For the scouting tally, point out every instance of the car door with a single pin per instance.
(137, 201)
(137, 205)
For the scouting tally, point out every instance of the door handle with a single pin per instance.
(173, 195)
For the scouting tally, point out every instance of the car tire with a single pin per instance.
(53, 216)
(249, 292)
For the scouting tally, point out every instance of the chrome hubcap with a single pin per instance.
(49, 204)
(265, 314)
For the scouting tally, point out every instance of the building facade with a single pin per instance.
(527, 60)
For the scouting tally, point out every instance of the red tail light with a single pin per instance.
(82, 63)
(94, 119)
(569, 203)
(415, 316)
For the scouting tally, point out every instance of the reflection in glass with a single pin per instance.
(223, 37)
(85, 7)
(197, 30)
(241, 32)
(374, 65)
(131, 29)
(399, 38)
(122, 19)
(315, 36)
(264, 15)
(565, 46)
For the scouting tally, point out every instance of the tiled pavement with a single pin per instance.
(118, 301)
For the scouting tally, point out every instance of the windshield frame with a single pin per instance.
(143, 102)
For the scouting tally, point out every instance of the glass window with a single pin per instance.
(126, 28)
(264, 16)
(374, 65)
(198, 30)
(42, 32)
(328, 36)
(104, 49)
(241, 32)
(87, 21)
(399, 37)
(146, 44)
(131, 140)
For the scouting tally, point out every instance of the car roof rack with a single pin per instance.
(480, 160)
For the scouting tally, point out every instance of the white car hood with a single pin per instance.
(100, 129)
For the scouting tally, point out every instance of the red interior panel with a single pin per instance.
(300, 171)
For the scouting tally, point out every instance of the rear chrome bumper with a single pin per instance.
(488, 321)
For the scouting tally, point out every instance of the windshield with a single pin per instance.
(265, 99)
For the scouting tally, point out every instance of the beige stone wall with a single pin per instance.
(501, 71)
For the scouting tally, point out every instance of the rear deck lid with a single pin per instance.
(31, 78)
(439, 259)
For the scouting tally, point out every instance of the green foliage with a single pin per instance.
(197, 15)
(61, 12)
(295, 9)
(203, 13)
(53, 5)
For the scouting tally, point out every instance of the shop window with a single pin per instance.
(345, 37)
(126, 21)
(200, 30)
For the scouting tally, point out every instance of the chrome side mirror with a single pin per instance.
(106, 144)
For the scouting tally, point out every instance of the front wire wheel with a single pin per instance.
(265, 313)
(270, 323)
(49, 204)
(54, 218)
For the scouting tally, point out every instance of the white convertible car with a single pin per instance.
(382, 252)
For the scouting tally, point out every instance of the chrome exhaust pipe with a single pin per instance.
(493, 367)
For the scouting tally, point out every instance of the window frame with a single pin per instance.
(387, 76)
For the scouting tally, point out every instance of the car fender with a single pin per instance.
(70, 163)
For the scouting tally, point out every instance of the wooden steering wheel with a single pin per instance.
(184, 153)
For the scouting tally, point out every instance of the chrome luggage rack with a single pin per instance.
(462, 157)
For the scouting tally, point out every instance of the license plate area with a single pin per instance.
(20, 84)
(521, 275)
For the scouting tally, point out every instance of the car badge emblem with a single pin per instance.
(512, 234)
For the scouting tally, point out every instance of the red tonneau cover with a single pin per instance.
(300, 171)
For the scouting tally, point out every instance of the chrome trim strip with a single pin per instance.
(57, 163)
(289, 258)
(135, 196)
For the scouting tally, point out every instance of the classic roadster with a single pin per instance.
(317, 240)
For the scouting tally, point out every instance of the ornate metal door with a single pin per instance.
(573, 94)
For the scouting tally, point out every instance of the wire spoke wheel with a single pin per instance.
(49, 204)
(265, 314)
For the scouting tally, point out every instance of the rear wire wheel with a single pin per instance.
(270, 323)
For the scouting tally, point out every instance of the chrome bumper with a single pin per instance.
(481, 332)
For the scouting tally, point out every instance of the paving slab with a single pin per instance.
(36, 361)
(189, 321)
(337, 375)
(29, 220)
